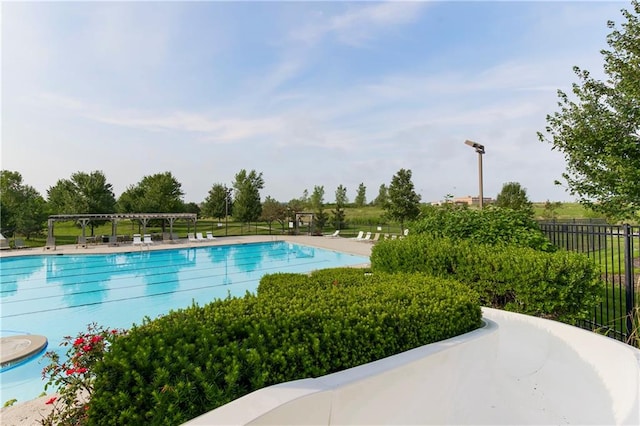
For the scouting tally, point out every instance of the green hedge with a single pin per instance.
(491, 225)
(561, 285)
(176, 367)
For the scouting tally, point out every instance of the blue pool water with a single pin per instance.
(57, 296)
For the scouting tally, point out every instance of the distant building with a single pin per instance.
(472, 201)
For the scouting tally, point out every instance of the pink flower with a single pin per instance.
(96, 339)
(79, 341)
(86, 348)
(51, 400)
(71, 371)
(82, 370)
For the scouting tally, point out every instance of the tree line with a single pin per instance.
(24, 211)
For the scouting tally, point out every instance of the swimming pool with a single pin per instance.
(58, 296)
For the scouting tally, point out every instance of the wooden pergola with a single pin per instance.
(143, 218)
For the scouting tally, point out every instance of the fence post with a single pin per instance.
(628, 277)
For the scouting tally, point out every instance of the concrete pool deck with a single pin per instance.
(32, 412)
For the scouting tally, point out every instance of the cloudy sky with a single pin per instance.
(308, 93)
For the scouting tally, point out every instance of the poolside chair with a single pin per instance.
(210, 236)
(199, 237)
(376, 237)
(4, 243)
(335, 234)
(82, 242)
(137, 240)
(191, 237)
(367, 237)
(360, 235)
(147, 240)
(18, 243)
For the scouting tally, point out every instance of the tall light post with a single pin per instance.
(227, 194)
(480, 150)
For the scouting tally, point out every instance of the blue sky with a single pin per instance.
(308, 93)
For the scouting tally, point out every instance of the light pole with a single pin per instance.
(480, 150)
(227, 194)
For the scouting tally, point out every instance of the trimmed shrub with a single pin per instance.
(491, 225)
(564, 286)
(176, 367)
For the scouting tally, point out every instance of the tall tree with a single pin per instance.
(273, 210)
(514, 196)
(598, 128)
(218, 203)
(403, 203)
(247, 207)
(22, 210)
(338, 212)
(83, 193)
(361, 196)
(317, 204)
(383, 196)
(159, 193)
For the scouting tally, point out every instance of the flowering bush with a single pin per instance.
(73, 376)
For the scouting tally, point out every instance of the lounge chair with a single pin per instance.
(18, 243)
(360, 235)
(199, 237)
(4, 243)
(147, 240)
(113, 240)
(376, 237)
(335, 234)
(210, 236)
(137, 240)
(367, 237)
(191, 237)
(82, 242)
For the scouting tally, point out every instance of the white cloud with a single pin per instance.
(359, 24)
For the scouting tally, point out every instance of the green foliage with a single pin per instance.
(561, 285)
(72, 376)
(550, 210)
(22, 208)
(597, 128)
(190, 361)
(487, 226)
(514, 196)
(361, 196)
(383, 196)
(158, 193)
(273, 210)
(246, 206)
(403, 202)
(218, 203)
(338, 212)
(317, 203)
(83, 193)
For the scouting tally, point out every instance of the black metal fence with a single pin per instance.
(616, 248)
